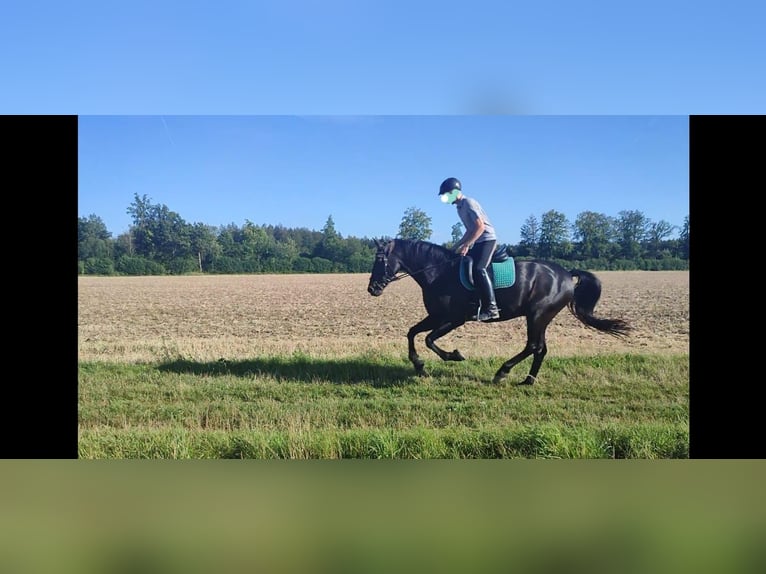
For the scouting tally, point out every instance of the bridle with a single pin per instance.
(391, 277)
(387, 277)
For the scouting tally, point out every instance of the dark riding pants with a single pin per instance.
(482, 253)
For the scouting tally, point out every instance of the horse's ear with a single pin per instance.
(377, 242)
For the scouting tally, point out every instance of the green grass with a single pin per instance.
(299, 407)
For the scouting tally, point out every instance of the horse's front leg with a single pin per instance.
(440, 331)
(425, 325)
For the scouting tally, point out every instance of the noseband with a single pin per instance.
(387, 277)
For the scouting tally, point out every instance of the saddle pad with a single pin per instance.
(503, 274)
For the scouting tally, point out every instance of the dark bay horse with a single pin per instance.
(541, 289)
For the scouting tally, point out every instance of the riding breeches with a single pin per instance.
(481, 253)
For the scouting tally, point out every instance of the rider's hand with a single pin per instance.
(462, 249)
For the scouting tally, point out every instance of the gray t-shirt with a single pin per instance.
(469, 210)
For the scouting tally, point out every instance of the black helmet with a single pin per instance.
(449, 184)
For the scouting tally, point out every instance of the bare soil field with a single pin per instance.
(203, 318)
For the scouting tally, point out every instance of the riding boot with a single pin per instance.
(489, 308)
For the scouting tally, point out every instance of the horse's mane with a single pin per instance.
(427, 249)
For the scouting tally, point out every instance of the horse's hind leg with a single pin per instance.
(540, 350)
(506, 367)
(535, 346)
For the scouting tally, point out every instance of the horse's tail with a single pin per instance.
(587, 292)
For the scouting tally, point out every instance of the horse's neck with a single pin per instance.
(425, 262)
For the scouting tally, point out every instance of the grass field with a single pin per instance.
(311, 366)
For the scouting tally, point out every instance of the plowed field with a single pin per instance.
(138, 319)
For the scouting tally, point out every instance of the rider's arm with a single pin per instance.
(470, 236)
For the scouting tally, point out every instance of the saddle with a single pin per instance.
(501, 271)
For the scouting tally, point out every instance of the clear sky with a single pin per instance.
(326, 85)
(383, 57)
(366, 171)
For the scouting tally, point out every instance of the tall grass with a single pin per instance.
(370, 406)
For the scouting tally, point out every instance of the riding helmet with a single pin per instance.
(449, 184)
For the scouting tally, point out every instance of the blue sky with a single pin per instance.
(387, 57)
(348, 68)
(366, 171)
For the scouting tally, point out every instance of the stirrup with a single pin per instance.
(491, 313)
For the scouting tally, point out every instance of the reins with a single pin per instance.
(403, 274)
(386, 279)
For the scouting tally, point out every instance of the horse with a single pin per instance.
(540, 290)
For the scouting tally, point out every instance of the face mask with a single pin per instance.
(450, 197)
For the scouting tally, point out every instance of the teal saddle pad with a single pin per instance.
(503, 274)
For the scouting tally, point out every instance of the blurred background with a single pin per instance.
(367, 516)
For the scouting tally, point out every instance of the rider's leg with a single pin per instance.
(482, 255)
(489, 308)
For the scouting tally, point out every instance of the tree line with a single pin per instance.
(159, 241)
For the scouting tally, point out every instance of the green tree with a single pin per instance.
(593, 232)
(158, 233)
(171, 235)
(456, 233)
(329, 231)
(305, 239)
(256, 242)
(530, 237)
(358, 255)
(554, 235)
(204, 244)
(93, 239)
(684, 239)
(230, 241)
(280, 257)
(123, 245)
(330, 247)
(656, 234)
(631, 227)
(415, 224)
(131, 265)
(99, 266)
(139, 210)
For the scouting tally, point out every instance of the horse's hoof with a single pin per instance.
(457, 356)
(526, 382)
(499, 378)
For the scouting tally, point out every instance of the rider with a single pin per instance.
(478, 241)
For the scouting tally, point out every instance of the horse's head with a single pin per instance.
(384, 269)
